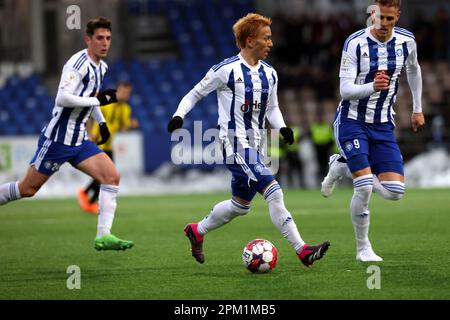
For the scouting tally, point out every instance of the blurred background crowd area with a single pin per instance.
(165, 47)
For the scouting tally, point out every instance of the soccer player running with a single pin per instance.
(247, 95)
(118, 117)
(64, 138)
(372, 60)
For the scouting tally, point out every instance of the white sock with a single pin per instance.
(221, 214)
(359, 209)
(389, 190)
(9, 192)
(106, 208)
(281, 217)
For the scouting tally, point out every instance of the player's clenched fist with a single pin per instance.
(381, 81)
(106, 97)
(174, 124)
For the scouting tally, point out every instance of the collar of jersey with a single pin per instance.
(375, 39)
(247, 65)
(90, 60)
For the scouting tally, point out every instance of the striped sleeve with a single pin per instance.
(71, 80)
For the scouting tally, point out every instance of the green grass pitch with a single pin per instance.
(39, 239)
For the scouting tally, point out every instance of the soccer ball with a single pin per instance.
(260, 256)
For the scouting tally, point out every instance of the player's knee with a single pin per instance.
(115, 178)
(28, 191)
(393, 190)
(239, 208)
(363, 186)
(273, 193)
(364, 190)
(111, 178)
(397, 196)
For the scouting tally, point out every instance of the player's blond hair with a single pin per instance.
(389, 3)
(248, 26)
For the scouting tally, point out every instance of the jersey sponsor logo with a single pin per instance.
(383, 63)
(254, 73)
(262, 90)
(248, 106)
(239, 80)
(365, 55)
(383, 45)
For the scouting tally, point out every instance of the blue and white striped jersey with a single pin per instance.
(80, 77)
(363, 55)
(245, 95)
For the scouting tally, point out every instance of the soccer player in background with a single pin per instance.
(372, 60)
(247, 95)
(64, 138)
(118, 117)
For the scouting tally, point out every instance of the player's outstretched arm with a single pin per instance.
(68, 100)
(186, 104)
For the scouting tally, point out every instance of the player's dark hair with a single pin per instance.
(389, 3)
(99, 22)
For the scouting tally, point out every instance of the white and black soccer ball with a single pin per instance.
(260, 256)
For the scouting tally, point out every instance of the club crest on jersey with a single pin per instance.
(50, 165)
(259, 167)
(399, 52)
(348, 146)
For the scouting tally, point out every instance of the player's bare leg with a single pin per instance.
(101, 168)
(25, 188)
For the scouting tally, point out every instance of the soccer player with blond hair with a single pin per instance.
(372, 60)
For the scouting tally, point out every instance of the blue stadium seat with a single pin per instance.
(202, 29)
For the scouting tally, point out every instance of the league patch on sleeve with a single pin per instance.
(69, 78)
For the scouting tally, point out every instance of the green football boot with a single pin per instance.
(111, 242)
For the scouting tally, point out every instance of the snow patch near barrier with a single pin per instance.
(428, 170)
